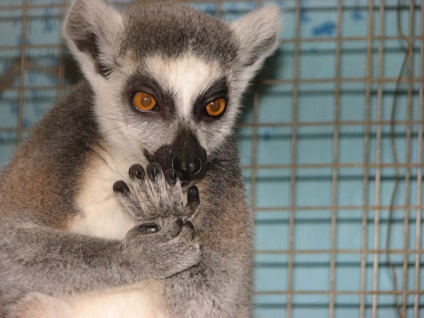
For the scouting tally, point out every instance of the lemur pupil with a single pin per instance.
(146, 101)
(215, 106)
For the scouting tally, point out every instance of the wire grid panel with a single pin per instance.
(331, 144)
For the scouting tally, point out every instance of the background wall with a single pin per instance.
(331, 144)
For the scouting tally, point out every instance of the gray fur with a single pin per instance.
(204, 266)
(176, 32)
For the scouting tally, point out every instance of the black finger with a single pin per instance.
(193, 195)
(171, 176)
(121, 188)
(148, 228)
(153, 171)
(136, 172)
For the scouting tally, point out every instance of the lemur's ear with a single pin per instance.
(93, 30)
(257, 34)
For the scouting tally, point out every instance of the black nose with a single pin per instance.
(187, 166)
(185, 155)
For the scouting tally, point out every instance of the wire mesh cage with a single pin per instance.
(331, 145)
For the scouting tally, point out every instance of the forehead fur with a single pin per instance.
(186, 77)
(172, 30)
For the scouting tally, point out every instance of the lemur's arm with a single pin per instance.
(54, 262)
(219, 279)
(223, 274)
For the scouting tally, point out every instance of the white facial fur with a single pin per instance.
(186, 77)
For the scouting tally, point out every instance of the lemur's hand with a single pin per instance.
(163, 248)
(162, 245)
(156, 195)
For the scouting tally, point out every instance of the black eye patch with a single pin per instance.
(219, 89)
(140, 82)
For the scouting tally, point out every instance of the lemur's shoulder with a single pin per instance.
(72, 119)
(42, 176)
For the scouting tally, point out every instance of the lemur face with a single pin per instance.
(175, 94)
(179, 109)
(192, 111)
(167, 79)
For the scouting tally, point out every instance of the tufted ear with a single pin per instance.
(93, 30)
(257, 34)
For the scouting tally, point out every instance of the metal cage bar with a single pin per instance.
(370, 211)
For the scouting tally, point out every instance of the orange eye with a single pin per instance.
(216, 107)
(144, 102)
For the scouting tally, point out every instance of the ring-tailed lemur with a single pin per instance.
(127, 199)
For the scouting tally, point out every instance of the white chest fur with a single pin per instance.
(101, 213)
(102, 216)
(136, 301)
